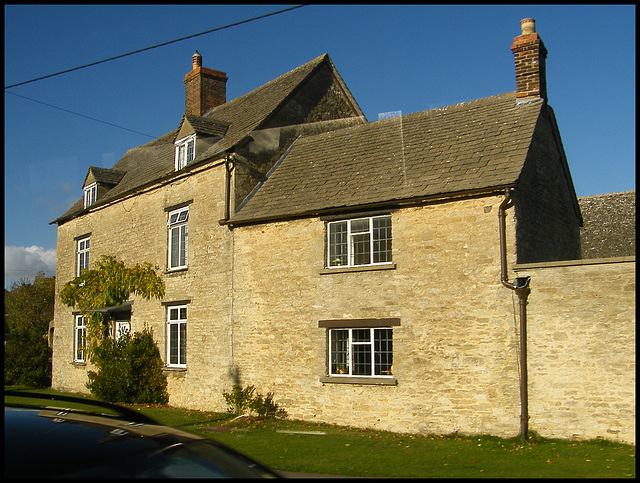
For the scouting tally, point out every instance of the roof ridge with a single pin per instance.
(608, 194)
(317, 61)
(380, 123)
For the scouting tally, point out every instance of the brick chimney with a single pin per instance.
(529, 55)
(204, 88)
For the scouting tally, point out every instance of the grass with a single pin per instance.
(289, 445)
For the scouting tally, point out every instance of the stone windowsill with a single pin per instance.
(176, 371)
(371, 381)
(361, 268)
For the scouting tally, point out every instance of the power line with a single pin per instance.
(125, 55)
(81, 115)
(155, 46)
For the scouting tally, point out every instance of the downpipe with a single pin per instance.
(229, 164)
(520, 286)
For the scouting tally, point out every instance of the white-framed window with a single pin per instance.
(177, 336)
(79, 338)
(361, 352)
(359, 241)
(178, 238)
(90, 194)
(82, 255)
(121, 328)
(185, 151)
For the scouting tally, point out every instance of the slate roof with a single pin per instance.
(609, 228)
(475, 145)
(204, 125)
(104, 175)
(154, 161)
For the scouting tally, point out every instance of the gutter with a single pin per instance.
(520, 286)
(380, 205)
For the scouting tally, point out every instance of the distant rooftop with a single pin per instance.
(609, 225)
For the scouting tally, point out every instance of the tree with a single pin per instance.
(28, 309)
(129, 366)
(109, 284)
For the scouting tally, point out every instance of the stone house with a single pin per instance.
(367, 273)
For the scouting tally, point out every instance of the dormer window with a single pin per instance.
(90, 194)
(185, 151)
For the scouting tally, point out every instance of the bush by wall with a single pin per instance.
(242, 401)
(129, 370)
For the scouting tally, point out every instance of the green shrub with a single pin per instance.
(239, 400)
(27, 362)
(242, 401)
(148, 382)
(266, 407)
(129, 370)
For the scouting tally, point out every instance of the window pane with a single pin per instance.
(175, 246)
(183, 245)
(181, 156)
(80, 338)
(382, 239)
(361, 363)
(191, 146)
(361, 349)
(383, 349)
(173, 343)
(361, 246)
(339, 351)
(79, 344)
(361, 335)
(183, 343)
(338, 255)
(360, 226)
(178, 217)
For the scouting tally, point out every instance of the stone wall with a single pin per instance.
(135, 231)
(256, 294)
(455, 357)
(581, 349)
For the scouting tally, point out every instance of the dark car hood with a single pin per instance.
(57, 443)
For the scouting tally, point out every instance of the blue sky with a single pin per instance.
(393, 58)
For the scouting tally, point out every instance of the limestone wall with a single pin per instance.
(256, 294)
(455, 357)
(581, 341)
(135, 231)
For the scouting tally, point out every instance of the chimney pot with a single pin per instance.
(529, 56)
(204, 88)
(528, 26)
(196, 60)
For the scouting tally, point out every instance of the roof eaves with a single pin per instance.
(238, 221)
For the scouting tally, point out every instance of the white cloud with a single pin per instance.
(27, 262)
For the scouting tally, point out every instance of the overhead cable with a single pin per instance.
(82, 115)
(154, 46)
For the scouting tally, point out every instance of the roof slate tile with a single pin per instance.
(469, 146)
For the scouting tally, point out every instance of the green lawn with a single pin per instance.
(299, 446)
